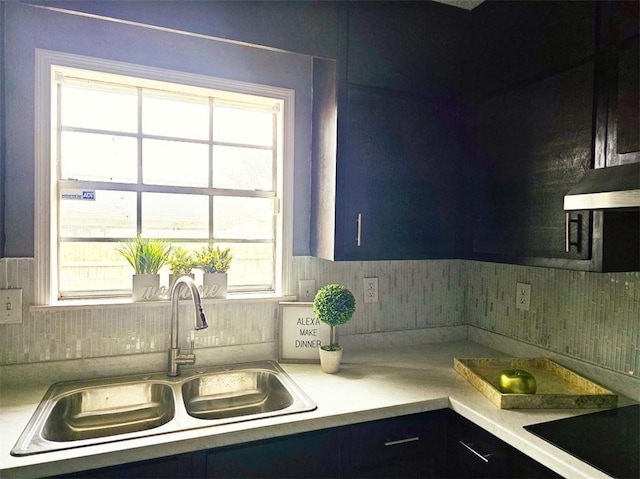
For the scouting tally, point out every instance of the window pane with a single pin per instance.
(251, 267)
(242, 168)
(89, 266)
(87, 107)
(247, 127)
(178, 149)
(179, 117)
(175, 216)
(175, 163)
(110, 214)
(236, 217)
(96, 157)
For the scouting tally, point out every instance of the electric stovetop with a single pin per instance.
(608, 440)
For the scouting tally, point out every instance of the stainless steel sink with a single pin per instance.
(102, 411)
(230, 394)
(82, 413)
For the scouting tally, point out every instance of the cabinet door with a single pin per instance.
(185, 465)
(623, 132)
(534, 143)
(407, 446)
(399, 154)
(472, 452)
(315, 454)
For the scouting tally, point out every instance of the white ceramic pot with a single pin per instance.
(185, 293)
(145, 287)
(214, 285)
(330, 360)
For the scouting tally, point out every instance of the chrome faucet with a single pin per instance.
(200, 322)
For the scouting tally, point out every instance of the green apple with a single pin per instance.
(517, 381)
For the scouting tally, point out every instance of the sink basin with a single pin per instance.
(230, 394)
(83, 413)
(97, 412)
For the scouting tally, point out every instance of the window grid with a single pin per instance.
(140, 187)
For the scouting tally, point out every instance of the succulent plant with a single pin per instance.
(145, 255)
(181, 261)
(213, 260)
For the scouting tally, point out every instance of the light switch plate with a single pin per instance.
(10, 306)
(306, 289)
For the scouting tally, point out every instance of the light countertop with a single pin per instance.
(372, 384)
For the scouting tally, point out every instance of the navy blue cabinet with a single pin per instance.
(472, 452)
(391, 135)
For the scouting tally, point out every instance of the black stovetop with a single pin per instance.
(608, 440)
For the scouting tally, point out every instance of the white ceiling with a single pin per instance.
(466, 4)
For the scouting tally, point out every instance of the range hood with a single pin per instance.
(606, 188)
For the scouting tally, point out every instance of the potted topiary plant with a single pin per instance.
(181, 263)
(146, 256)
(214, 263)
(333, 304)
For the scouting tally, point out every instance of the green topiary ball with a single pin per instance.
(334, 304)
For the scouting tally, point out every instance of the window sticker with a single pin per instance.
(77, 194)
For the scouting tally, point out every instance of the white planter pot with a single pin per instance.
(330, 361)
(146, 287)
(214, 285)
(184, 293)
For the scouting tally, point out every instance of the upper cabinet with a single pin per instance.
(618, 121)
(624, 117)
(442, 133)
(534, 142)
(534, 137)
(417, 47)
(519, 42)
(567, 103)
(399, 160)
(388, 141)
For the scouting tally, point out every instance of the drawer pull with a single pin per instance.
(484, 457)
(402, 441)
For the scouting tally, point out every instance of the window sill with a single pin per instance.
(127, 302)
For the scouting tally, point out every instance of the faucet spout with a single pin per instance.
(176, 359)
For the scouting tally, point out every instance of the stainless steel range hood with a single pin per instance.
(606, 188)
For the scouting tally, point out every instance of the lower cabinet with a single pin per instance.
(472, 452)
(437, 444)
(407, 446)
(174, 467)
(314, 454)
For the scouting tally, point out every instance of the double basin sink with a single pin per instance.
(82, 413)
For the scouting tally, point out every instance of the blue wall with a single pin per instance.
(29, 28)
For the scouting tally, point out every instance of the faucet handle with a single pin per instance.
(192, 340)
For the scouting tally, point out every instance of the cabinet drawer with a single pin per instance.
(472, 452)
(407, 446)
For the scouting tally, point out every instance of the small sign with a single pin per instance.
(77, 194)
(301, 333)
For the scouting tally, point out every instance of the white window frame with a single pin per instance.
(45, 241)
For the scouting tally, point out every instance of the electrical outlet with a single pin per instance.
(371, 290)
(306, 289)
(523, 296)
(10, 306)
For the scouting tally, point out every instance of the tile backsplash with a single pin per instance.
(588, 316)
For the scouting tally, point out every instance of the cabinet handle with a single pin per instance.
(484, 457)
(568, 220)
(402, 441)
(359, 223)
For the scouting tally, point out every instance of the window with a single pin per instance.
(197, 161)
